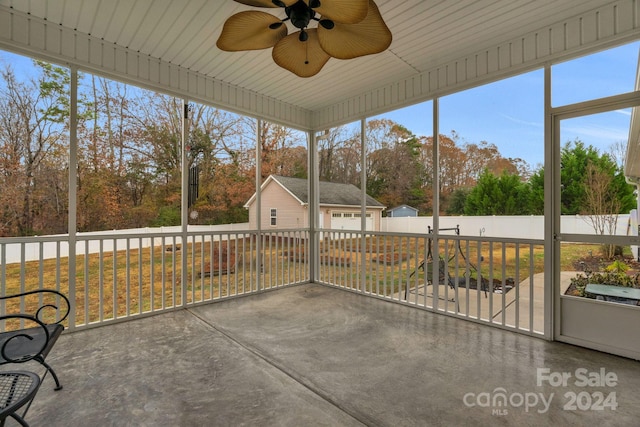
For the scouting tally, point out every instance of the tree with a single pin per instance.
(328, 144)
(393, 167)
(461, 164)
(458, 201)
(601, 203)
(33, 125)
(575, 159)
(503, 195)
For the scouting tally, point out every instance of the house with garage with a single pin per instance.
(285, 204)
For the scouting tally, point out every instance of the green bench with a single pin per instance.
(612, 293)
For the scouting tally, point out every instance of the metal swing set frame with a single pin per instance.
(444, 277)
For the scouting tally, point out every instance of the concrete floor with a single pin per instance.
(316, 356)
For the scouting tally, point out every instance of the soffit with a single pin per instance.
(427, 35)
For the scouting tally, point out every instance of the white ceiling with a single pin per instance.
(426, 35)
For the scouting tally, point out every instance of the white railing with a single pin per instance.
(488, 280)
(121, 276)
(497, 281)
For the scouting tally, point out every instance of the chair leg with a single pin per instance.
(19, 419)
(50, 369)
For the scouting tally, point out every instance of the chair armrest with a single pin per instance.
(25, 344)
(48, 299)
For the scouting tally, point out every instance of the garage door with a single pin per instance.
(349, 221)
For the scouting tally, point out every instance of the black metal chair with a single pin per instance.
(32, 323)
(17, 389)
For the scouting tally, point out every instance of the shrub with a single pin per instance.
(617, 266)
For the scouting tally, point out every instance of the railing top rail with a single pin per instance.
(442, 236)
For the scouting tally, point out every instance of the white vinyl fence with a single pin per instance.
(51, 249)
(523, 227)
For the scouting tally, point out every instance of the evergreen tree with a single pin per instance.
(503, 195)
(576, 159)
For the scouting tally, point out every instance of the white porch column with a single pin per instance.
(435, 160)
(363, 205)
(184, 201)
(258, 205)
(313, 248)
(72, 218)
(551, 215)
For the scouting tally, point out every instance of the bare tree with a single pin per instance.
(33, 115)
(601, 204)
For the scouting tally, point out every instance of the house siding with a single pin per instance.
(290, 213)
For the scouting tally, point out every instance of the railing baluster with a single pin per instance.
(140, 301)
(101, 281)
(127, 294)
(531, 269)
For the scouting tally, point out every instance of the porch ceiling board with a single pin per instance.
(439, 47)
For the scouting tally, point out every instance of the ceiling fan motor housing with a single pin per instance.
(300, 14)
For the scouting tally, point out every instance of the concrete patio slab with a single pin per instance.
(313, 355)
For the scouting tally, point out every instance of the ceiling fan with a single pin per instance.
(345, 29)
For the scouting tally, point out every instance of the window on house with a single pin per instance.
(274, 217)
(347, 215)
(336, 215)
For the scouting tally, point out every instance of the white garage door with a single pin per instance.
(349, 221)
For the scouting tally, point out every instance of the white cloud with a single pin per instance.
(521, 122)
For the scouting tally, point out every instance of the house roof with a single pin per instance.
(331, 193)
(403, 207)
(439, 47)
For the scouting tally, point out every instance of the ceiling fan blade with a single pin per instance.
(265, 3)
(347, 41)
(250, 31)
(304, 59)
(343, 11)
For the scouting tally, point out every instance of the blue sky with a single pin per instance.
(509, 113)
